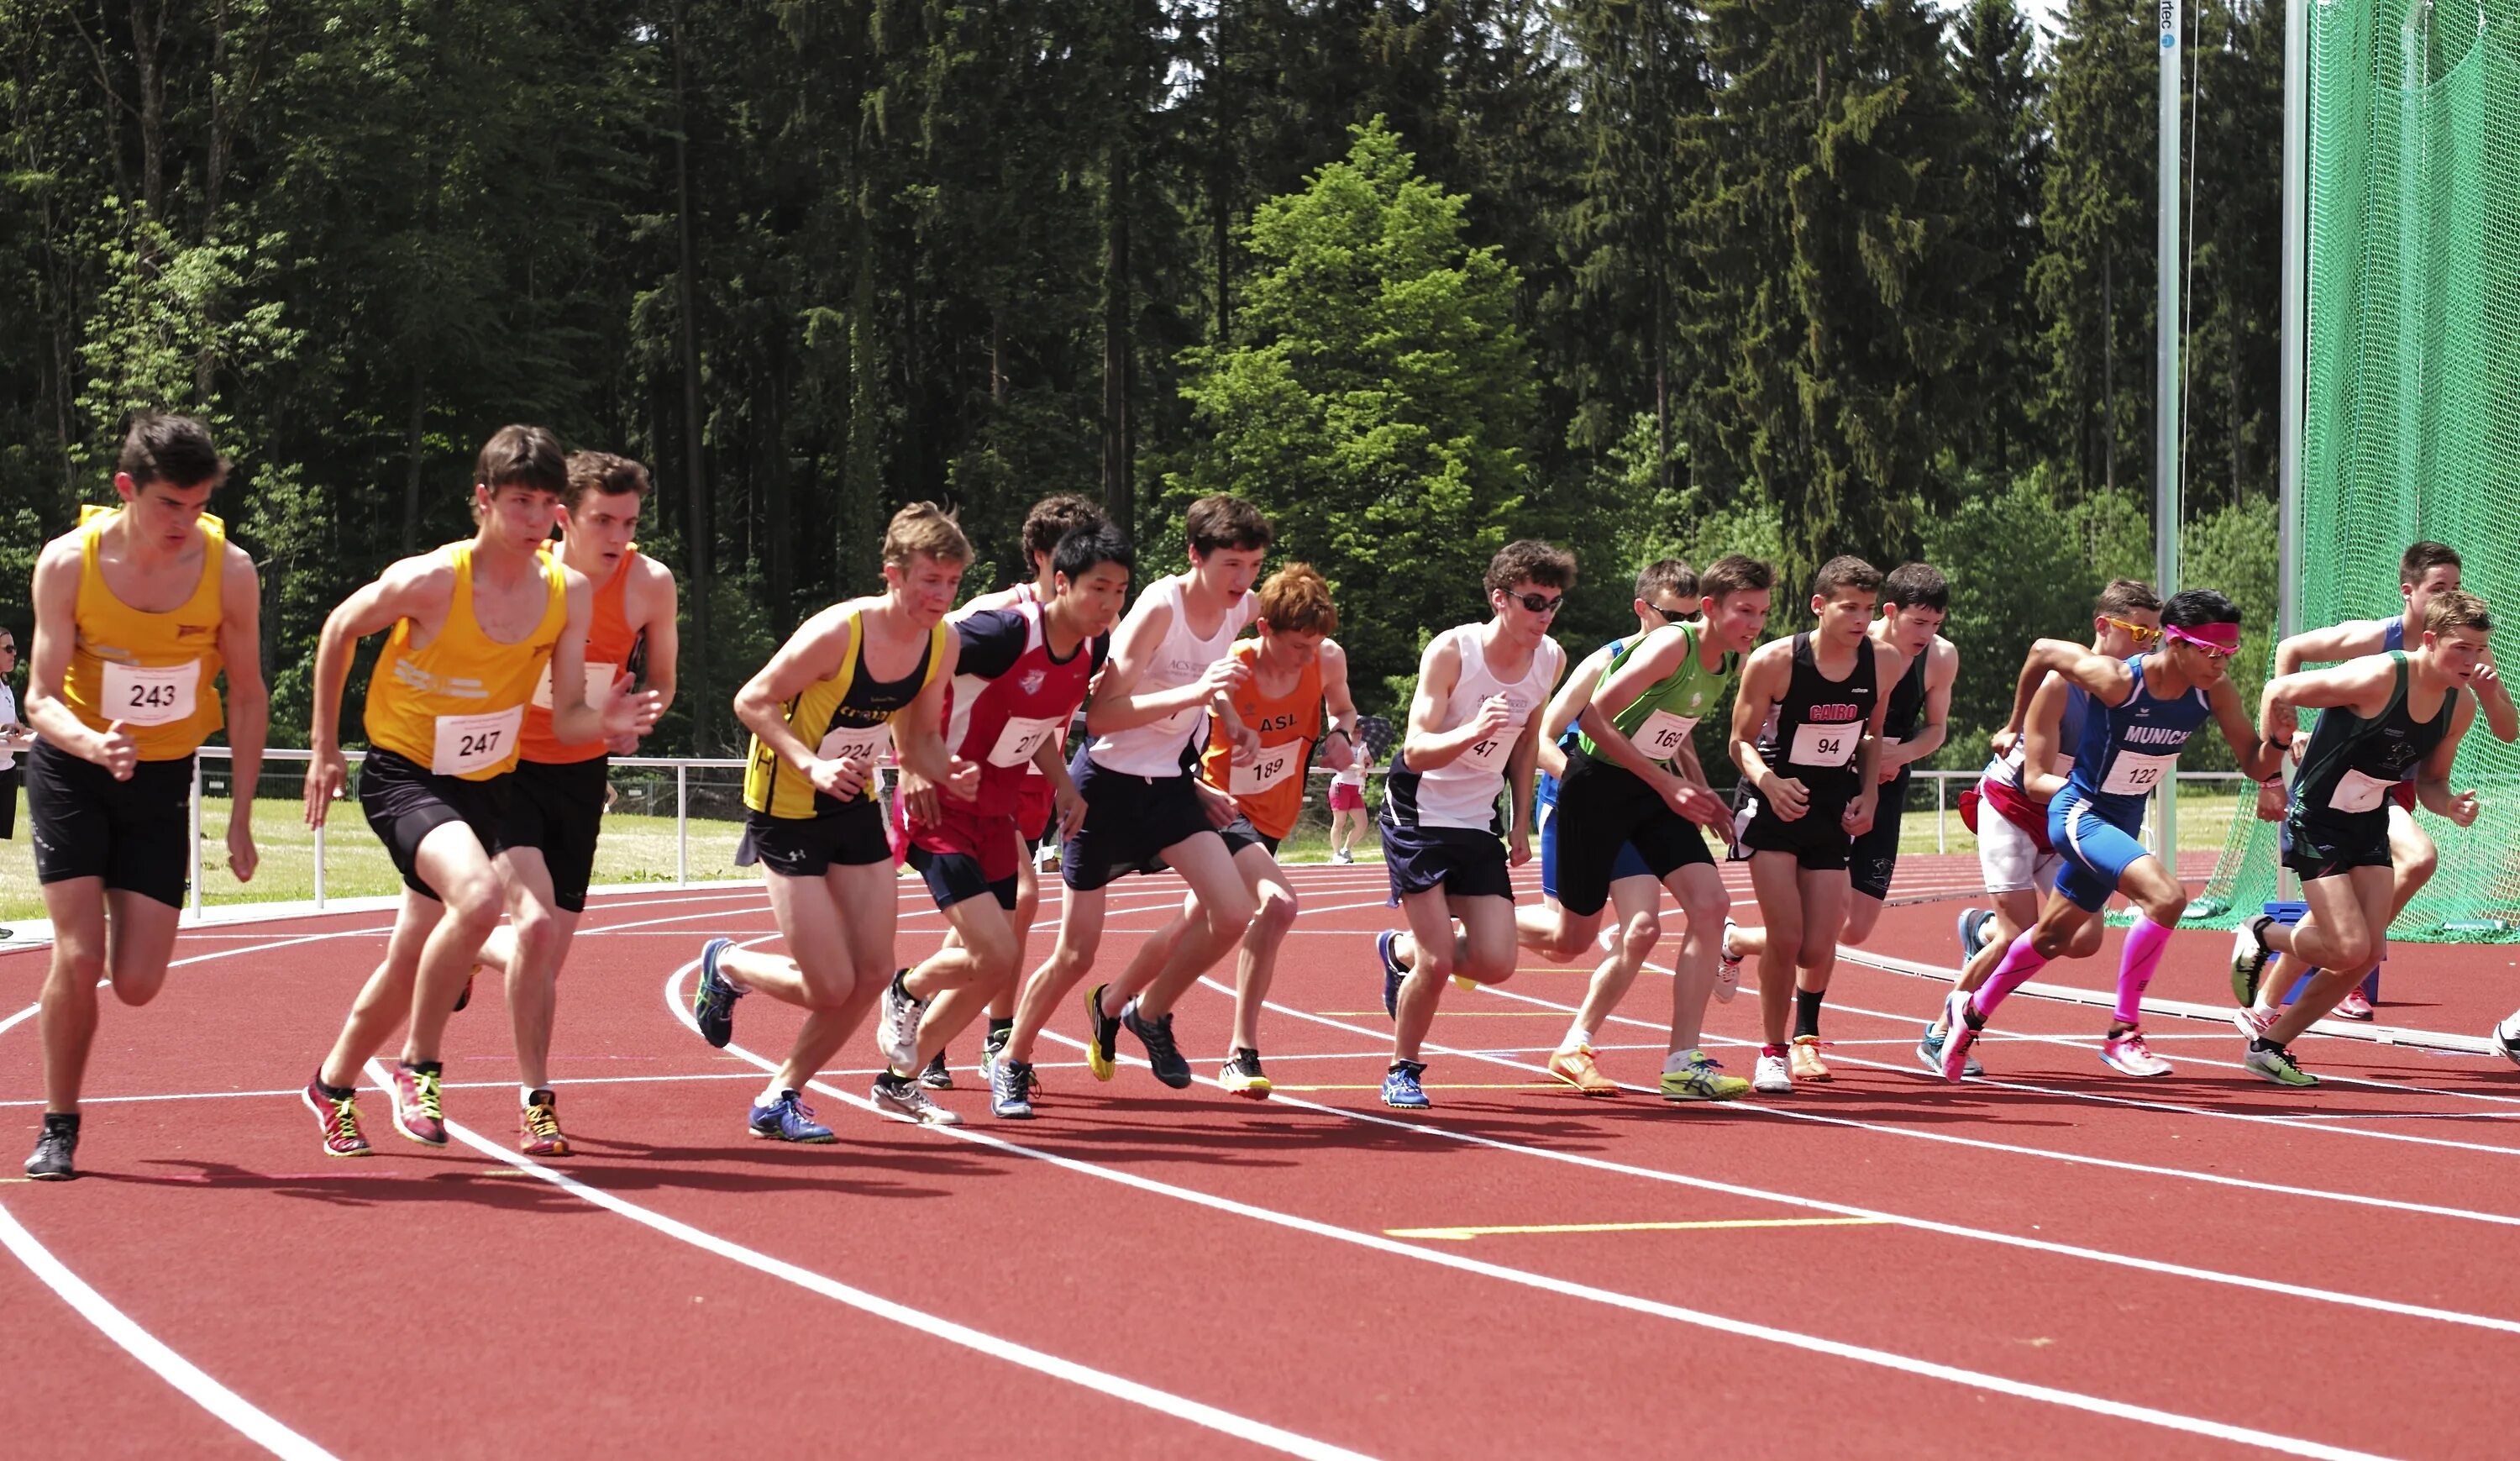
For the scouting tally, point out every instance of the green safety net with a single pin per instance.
(2412, 427)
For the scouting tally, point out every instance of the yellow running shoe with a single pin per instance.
(1575, 1066)
(541, 1135)
(1243, 1076)
(1102, 1035)
(1466, 984)
(1702, 1079)
(1804, 1058)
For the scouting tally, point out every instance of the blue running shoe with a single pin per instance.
(1929, 1053)
(789, 1118)
(1972, 932)
(1392, 972)
(1011, 1089)
(714, 998)
(1399, 1086)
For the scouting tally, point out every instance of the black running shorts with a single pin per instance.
(810, 846)
(136, 835)
(557, 808)
(405, 801)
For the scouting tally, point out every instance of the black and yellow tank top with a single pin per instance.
(851, 712)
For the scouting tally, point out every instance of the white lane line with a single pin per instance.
(1118, 1388)
(1814, 1344)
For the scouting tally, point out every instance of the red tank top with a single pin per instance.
(999, 721)
(609, 642)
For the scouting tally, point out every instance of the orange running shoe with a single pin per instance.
(1574, 1065)
(1804, 1058)
(541, 1135)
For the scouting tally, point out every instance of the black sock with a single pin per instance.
(1001, 1027)
(2260, 1045)
(890, 1082)
(333, 1092)
(1807, 1012)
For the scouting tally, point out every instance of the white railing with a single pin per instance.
(1943, 798)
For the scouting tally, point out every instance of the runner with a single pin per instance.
(1143, 810)
(1048, 523)
(1815, 781)
(2010, 815)
(1914, 599)
(1019, 673)
(1473, 732)
(2385, 720)
(137, 610)
(476, 625)
(1347, 803)
(1632, 793)
(2142, 712)
(2424, 569)
(862, 678)
(555, 799)
(1296, 670)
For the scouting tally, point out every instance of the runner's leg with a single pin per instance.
(66, 1011)
(1080, 935)
(450, 860)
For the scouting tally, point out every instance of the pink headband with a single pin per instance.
(2222, 638)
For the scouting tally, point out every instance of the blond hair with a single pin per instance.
(923, 528)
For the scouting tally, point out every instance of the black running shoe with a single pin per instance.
(1162, 1054)
(937, 1077)
(54, 1148)
(464, 996)
(713, 997)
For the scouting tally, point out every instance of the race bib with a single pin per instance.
(598, 685)
(151, 696)
(2135, 775)
(1663, 734)
(1826, 745)
(867, 743)
(1020, 738)
(2355, 792)
(1491, 753)
(1276, 764)
(474, 742)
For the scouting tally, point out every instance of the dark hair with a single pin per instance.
(1052, 519)
(2191, 607)
(522, 456)
(1530, 561)
(602, 472)
(1667, 575)
(2456, 608)
(1225, 522)
(2125, 596)
(2422, 558)
(1081, 548)
(1846, 571)
(1733, 574)
(1918, 585)
(172, 449)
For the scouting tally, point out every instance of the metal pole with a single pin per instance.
(2294, 347)
(194, 897)
(682, 826)
(1942, 842)
(2165, 386)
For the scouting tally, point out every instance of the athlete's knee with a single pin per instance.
(1485, 966)
(1862, 915)
(77, 965)
(1569, 936)
(1783, 942)
(473, 898)
(537, 933)
(1231, 911)
(1639, 935)
(1277, 912)
(2166, 906)
(138, 987)
(2415, 864)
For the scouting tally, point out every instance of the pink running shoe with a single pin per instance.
(2253, 1022)
(416, 1111)
(2127, 1055)
(2352, 1006)
(1959, 1037)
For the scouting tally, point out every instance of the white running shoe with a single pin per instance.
(2127, 1055)
(1728, 967)
(896, 1036)
(907, 1099)
(2506, 1038)
(2253, 1022)
(1772, 1077)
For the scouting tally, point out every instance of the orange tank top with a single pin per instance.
(455, 705)
(610, 640)
(1271, 790)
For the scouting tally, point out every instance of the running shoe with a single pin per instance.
(2249, 956)
(1702, 1078)
(1343, 858)
(2253, 1022)
(1392, 972)
(338, 1116)
(1805, 1055)
(1011, 1089)
(2271, 1062)
(2355, 1005)
(1464, 984)
(1241, 1074)
(789, 1118)
(713, 998)
(1102, 1035)
(2127, 1054)
(1575, 1066)
(1972, 931)
(1400, 1085)
(903, 1096)
(1929, 1052)
(55, 1146)
(1728, 967)
(1162, 1054)
(464, 996)
(993, 1045)
(541, 1135)
(896, 1035)
(1771, 1074)
(416, 1111)
(1958, 1035)
(937, 1076)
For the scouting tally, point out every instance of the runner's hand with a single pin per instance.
(1517, 847)
(327, 775)
(1496, 712)
(2300, 745)
(918, 795)
(1786, 797)
(961, 778)
(2272, 800)
(631, 715)
(1071, 810)
(1219, 806)
(114, 749)
(1224, 677)
(1246, 747)
(842, 779)
(2464, 808)
(2001, 743)
(1856, 819)
(243, 856)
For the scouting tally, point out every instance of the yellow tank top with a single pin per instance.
(846, 714)
(458, 707)
(154, 673)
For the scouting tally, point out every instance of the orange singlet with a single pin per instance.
(1271, 790)
(610, 639)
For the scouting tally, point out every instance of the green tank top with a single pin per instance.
(1661, 721)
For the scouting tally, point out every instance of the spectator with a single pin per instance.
(14, 737)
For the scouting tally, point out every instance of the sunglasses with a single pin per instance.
(1535, 602)
(1673, 615)
(2139, 634)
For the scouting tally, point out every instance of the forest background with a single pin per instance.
(1790, 277)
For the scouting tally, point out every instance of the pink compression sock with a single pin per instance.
(2020, 962)
(2144, 946)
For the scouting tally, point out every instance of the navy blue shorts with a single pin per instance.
(1628, 863)
(1465, 863)
(1616, 816)
(955, 877)
(1129, 821)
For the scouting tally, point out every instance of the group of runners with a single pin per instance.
(514, 662)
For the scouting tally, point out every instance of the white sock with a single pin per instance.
(1678, 1060)
(770, 1094)
(525, 1095)
(1576, 1034)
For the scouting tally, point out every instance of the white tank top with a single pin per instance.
(1156, 749)
(1463, 792)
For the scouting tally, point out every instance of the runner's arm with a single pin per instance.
(1934, 723)
(2041, 737)
(1521, 769)
(922, 749)
(2363, 685)
(1763, 684)
(1117, 702)
(2109, 680)
(57, 580)
(816, 650)
(663, 632)
(1428, 745)
(2432, 779)
(248, 699)
(1566, 706)
(2258, 759)
(1340, 701)
(573, 720)
(421, 589)
(2494, 697)
(2350, 640)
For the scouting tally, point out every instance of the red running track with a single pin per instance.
(2052, 1261)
